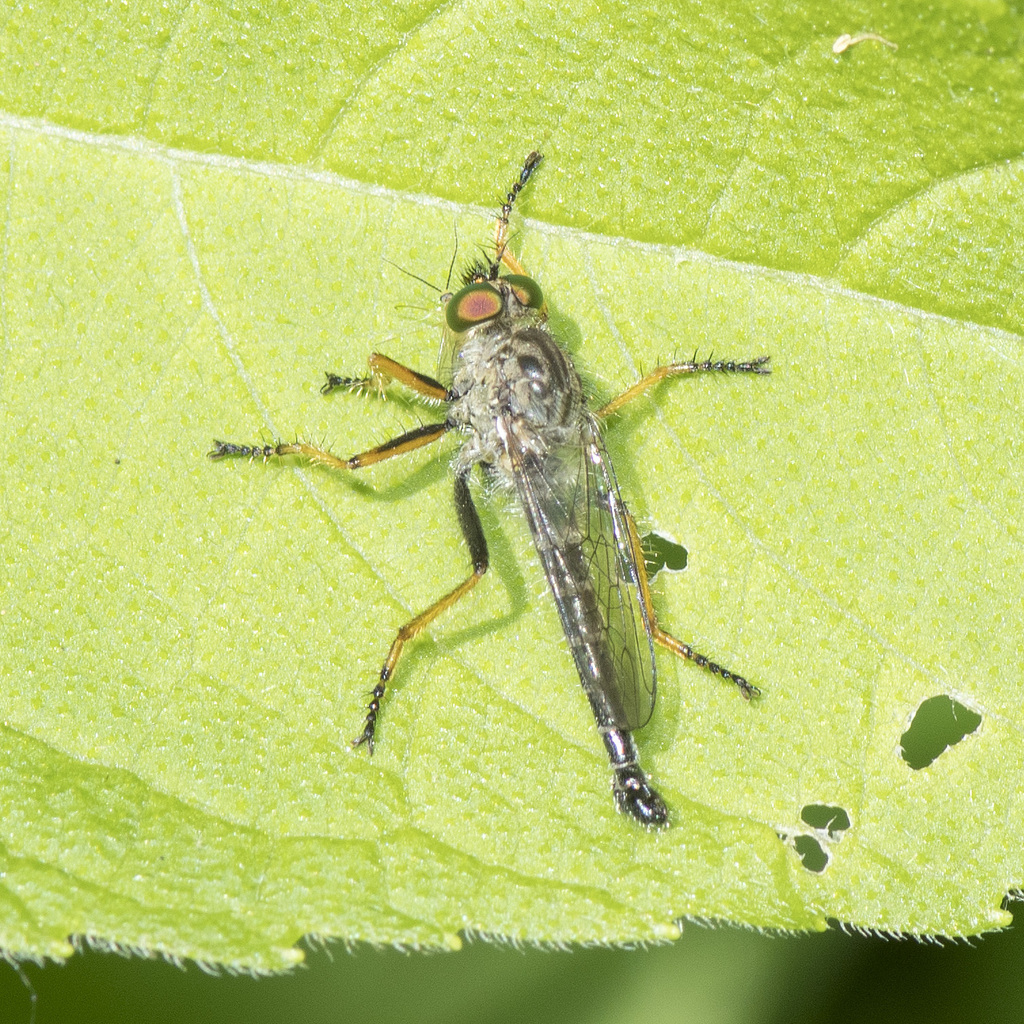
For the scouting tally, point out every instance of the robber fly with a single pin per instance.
(512, 391)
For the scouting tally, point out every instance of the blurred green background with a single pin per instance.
(714, 976)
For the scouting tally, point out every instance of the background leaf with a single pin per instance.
(187, 647)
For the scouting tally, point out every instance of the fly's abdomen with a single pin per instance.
(580, 530)
(611, 670)
(585, 625)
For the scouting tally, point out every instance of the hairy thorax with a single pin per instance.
(510, 378)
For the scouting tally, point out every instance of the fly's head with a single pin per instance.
(484, 305)
(483, 300)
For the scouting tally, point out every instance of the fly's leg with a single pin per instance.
(501, 254)
(760, 365)
(472, 531)
(659, 636)
(686, 651)
(407, 442)
(383, 370)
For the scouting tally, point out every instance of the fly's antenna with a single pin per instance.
(501, 228)
(415, 277)
(451, 266)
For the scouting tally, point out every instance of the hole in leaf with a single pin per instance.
(833, 819)
(809, 850)
(662, 553)
(939, 722)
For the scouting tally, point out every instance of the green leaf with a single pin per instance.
(188, 647)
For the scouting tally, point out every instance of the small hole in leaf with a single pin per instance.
(662, 553)
(939, 722)
(834, 819)
(809, 850)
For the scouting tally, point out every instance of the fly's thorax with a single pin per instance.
(511, 375)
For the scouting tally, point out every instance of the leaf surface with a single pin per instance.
(186, 648)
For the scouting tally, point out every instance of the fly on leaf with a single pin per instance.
(511, 391)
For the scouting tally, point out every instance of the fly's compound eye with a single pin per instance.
(526, 290)
(475, 304)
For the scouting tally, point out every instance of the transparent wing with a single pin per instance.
(579, 527)
(450, 342)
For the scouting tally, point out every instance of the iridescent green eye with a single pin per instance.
(475, 304)
(527, 290)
